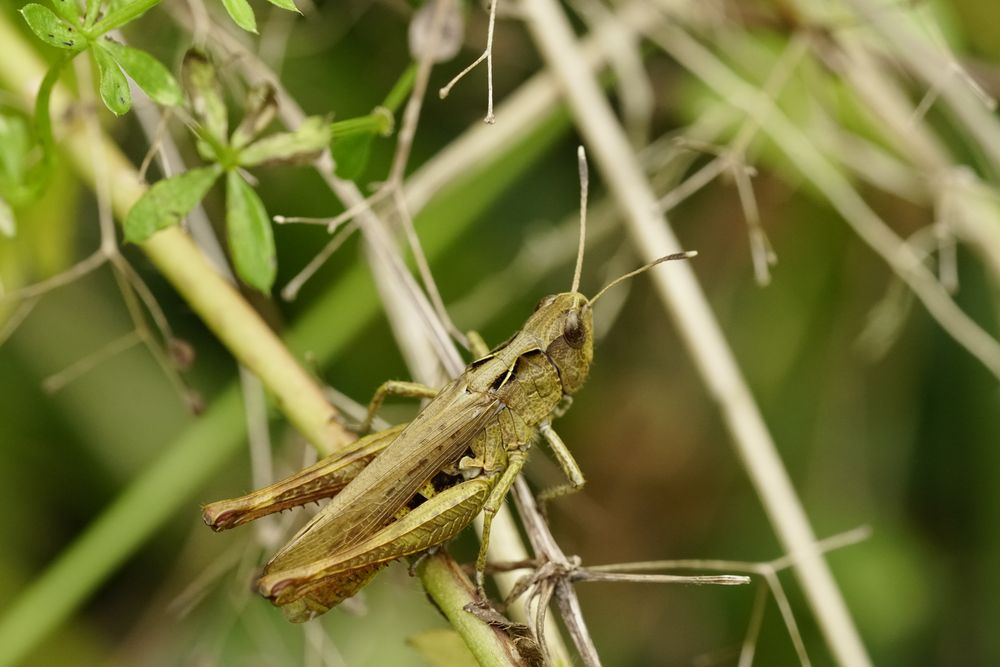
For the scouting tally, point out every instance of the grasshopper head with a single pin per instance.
(565, 321)
(566, 324)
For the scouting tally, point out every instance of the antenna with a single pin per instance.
(631, 274)
(581, 157)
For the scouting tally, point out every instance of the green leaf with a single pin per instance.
(120, 13)
(206, 150)
(401, 89)
(68, 9)
(240, 11)
(301, 146)
(351, 154)
(114, 87)
(205, 94)
(251, 240)
(147, 72)
(50, 28)
(258, 113)
(285, 4)
(168, 201)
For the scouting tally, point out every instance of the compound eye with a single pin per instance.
(573, 330)
(546, 301)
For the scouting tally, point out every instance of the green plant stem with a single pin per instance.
(43, 115)
(438, 574)
(167, 485)
(377, 122)
(401, 89)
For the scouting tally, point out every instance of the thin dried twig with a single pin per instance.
(154, 137)
(291, 289)
(486, 55)
(141, 289)
(394, 184)
(749, 646)
(57, 381)
(584, 575)
(16, 318)
(411, 112)
(767, 570)
(520, 110)
(423, 267)
(93, 261)
(547, 549)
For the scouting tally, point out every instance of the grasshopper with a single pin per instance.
(410, 488)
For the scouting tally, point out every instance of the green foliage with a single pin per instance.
(68, 9)
(248, 229)
(351, 154)
(168, 201)
(114, 88)
(67, 30)
(204, 94)
(241, 13)
(251, 240)
(120, 12)
(51, 29)
(353, 139)
(301, 146)
(285, 4)
(147, 72)
(258, 112)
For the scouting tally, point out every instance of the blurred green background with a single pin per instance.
(905, 442)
